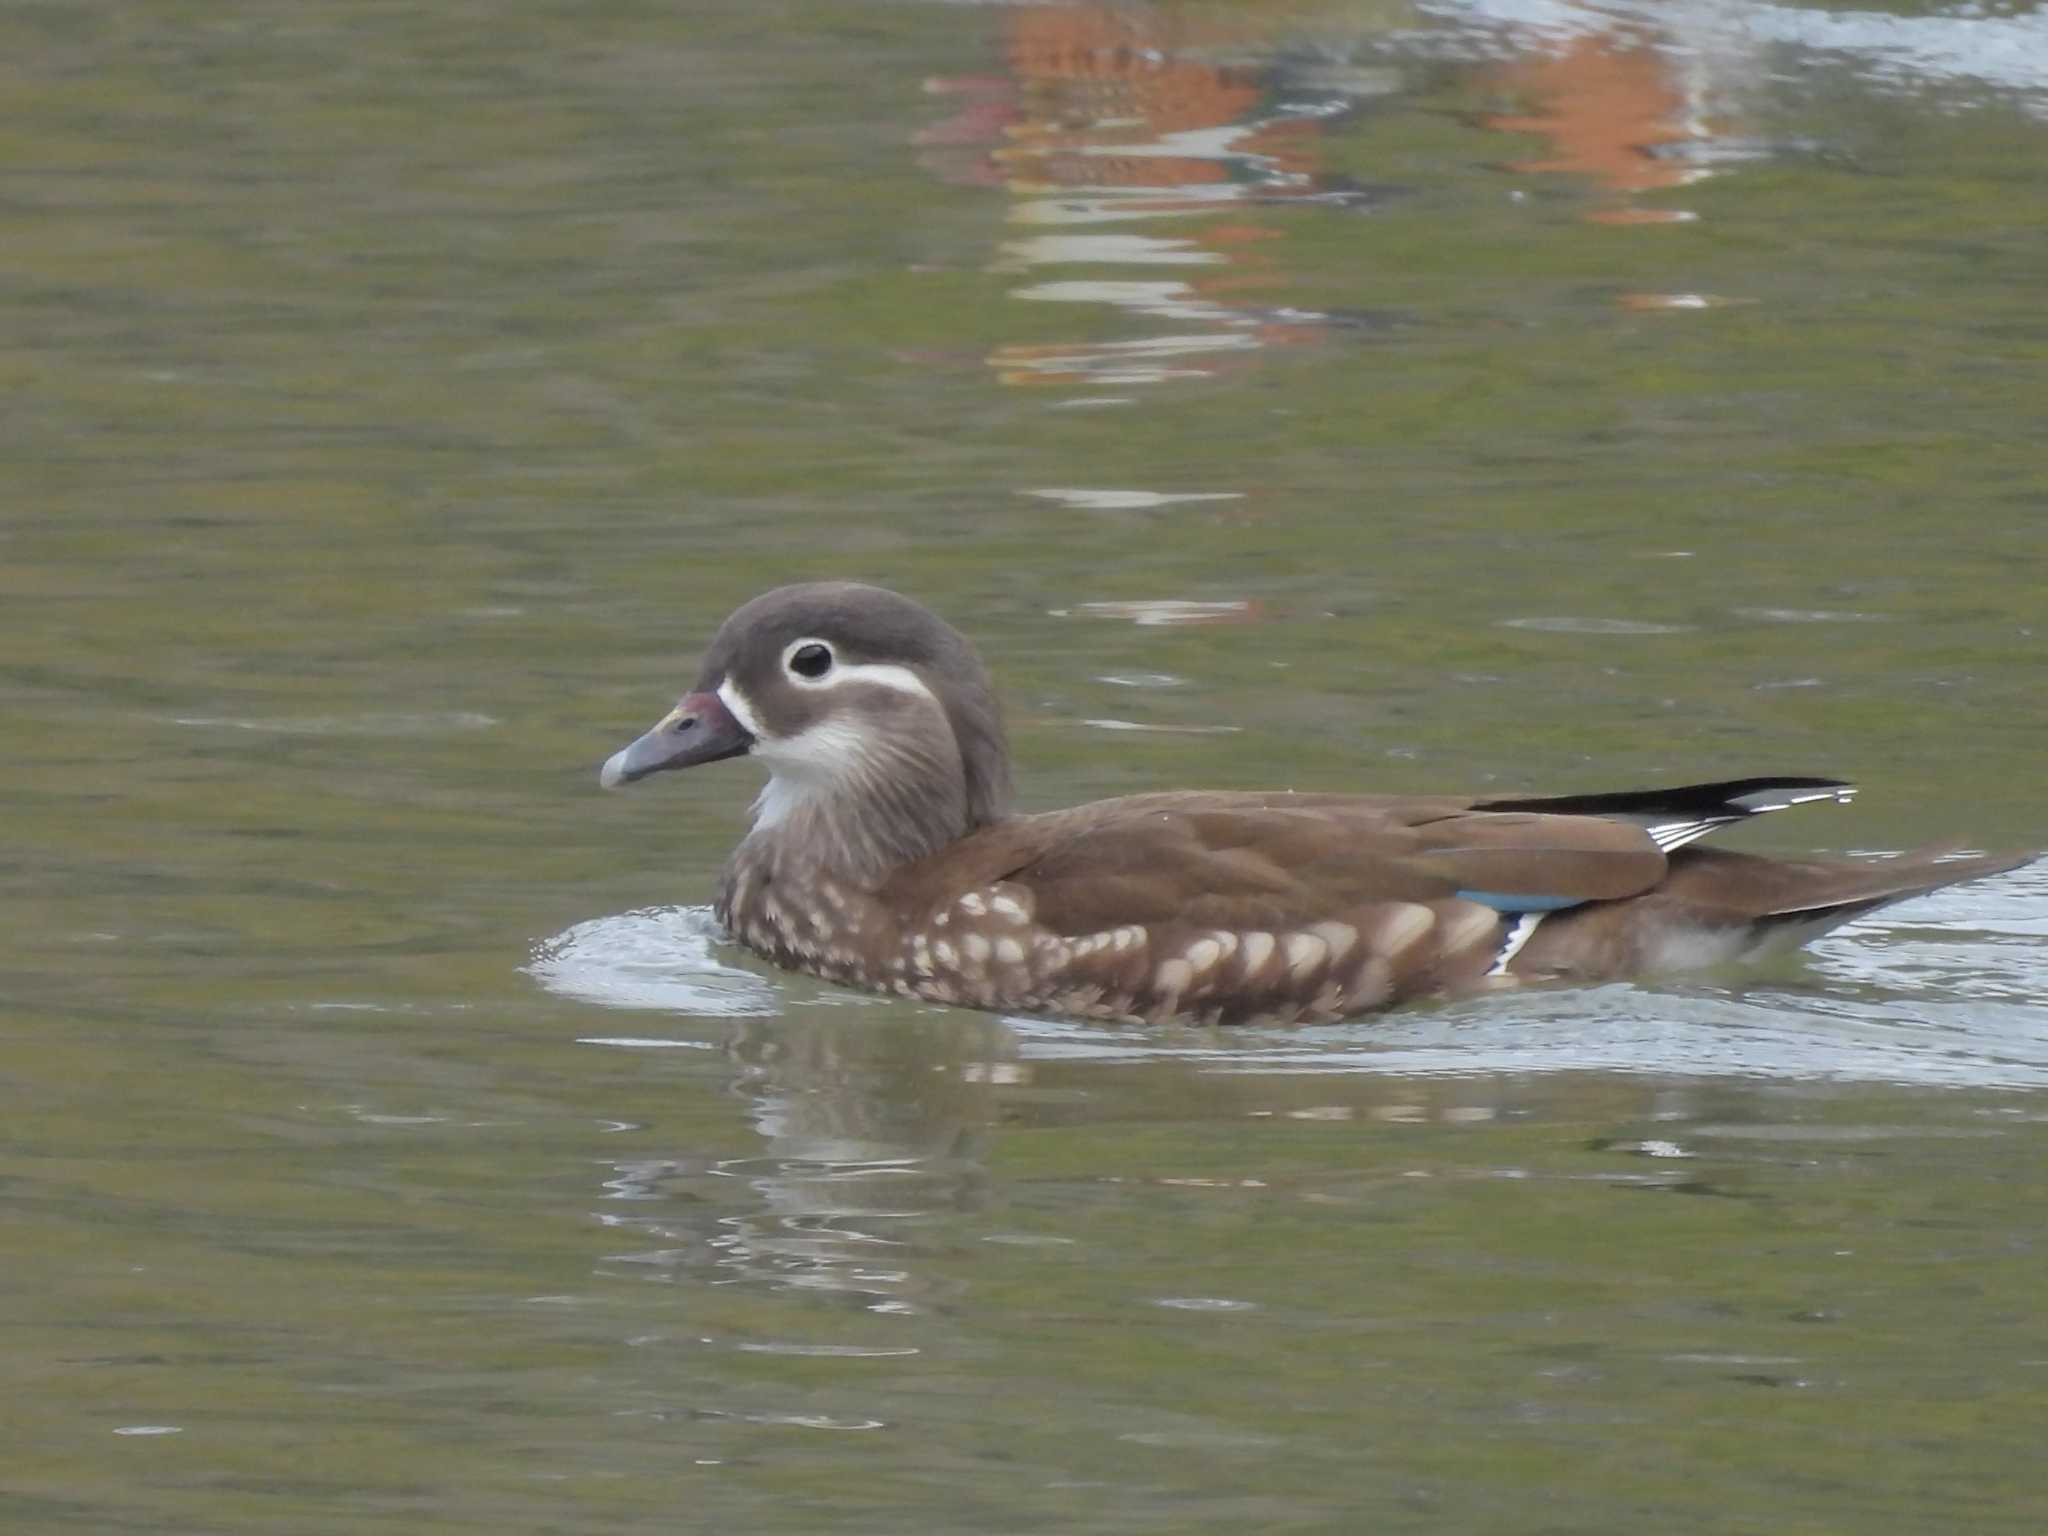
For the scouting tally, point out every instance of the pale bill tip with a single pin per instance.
(613, 773)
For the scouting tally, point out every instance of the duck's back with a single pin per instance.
(1235, 907)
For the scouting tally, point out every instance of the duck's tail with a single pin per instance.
(1769, 891)
(1715, 907)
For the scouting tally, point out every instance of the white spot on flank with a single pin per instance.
(1009, 951)
(1371, 985)
(973, 904)
(976, 946)
(1173, 977)
(1406, 923)
(1204, 953)
(1004, 906)
(1339, 936)
(1465, 924)
(1304, 953)
(1258, 949)
(947, 955)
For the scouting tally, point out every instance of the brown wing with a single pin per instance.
(1236, 861)
(1218, 908)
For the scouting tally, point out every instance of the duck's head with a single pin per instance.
(867, 709)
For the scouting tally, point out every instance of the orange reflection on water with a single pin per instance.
(1607, 105)
(1120, 135)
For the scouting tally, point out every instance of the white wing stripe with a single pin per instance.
(1518, 935)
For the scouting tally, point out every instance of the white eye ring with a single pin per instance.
(808, 662)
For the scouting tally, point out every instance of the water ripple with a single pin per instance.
(657, 957)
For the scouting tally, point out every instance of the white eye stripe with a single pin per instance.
(838, 675)
(737, 705)
(881, 673)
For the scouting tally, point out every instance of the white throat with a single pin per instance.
(860, 800)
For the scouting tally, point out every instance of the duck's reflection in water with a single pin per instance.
(870, 1121)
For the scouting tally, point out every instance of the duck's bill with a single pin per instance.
(699, 729)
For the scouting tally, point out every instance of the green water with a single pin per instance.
(396, 398)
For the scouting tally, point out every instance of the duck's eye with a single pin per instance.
(811, 660)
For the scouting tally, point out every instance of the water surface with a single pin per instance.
(1376, 395)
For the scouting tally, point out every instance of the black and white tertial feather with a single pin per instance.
(1675, 817)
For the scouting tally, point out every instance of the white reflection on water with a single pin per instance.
(658, 958)
(2006, 53)
(1147, 360)
(427, 724)
(1132, 250)
(1942, 990)
(1162, 300)
(1155, 612)
(1165, 730)
(1106, 500)
(1570, 625)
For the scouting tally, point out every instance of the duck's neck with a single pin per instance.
(802, 887)
(858, 827)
